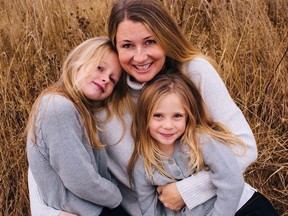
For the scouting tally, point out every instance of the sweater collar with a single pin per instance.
(133, 84)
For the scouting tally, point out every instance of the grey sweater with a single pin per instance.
(224, 172)
(70, 174)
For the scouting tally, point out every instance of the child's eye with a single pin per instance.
(157, 115)
(100, 68)
(178, 115)
(112, 80)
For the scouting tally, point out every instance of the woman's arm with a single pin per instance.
(221, 108)
(173, 194)
(170, 197)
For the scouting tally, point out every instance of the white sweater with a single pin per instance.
(221, 108)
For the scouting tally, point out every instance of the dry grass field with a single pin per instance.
(248, 38)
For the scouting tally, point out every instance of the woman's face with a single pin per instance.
(139, 54)
(100, 81)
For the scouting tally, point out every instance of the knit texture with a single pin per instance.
(71, 175)
(224, 172)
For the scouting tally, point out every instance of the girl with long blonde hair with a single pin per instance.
(175, 138)
(65, 155)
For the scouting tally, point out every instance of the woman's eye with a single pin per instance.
(150, 42)
(127, 46)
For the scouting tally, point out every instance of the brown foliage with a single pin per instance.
(247, 38)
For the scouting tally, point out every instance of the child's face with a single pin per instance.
(99, 84)
(168, 122)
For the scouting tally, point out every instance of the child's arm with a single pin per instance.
(225, 174)
(70, 157)
(146, 192)
(38, 207)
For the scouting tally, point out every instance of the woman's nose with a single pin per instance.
(139, 56)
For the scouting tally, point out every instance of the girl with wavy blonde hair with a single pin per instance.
(65, 154)
(176, 138)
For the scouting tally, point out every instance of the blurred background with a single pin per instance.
(248, 39)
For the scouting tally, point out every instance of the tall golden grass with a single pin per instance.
(248, 38)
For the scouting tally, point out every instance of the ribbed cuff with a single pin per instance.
(196, 189)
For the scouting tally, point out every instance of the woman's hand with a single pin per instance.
(170, 197)
(62, 213)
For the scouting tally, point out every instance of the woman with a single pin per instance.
(149, 43)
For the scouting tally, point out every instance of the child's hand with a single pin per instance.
(62, 213)
(170, 197)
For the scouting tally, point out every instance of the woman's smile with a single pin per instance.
(143, 68)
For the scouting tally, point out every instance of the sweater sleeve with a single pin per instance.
(225, 175)
(38, 207)
(221, 108)
(69, 154)
(147, 194)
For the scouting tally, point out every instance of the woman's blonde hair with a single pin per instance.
(86, 55)
(197, 122)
